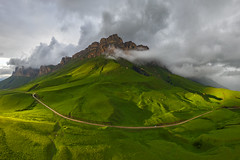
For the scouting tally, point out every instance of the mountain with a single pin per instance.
(19, 77)
(23, 75)
(91, 87)
(123, 89)
(207, 82)
(90, 79)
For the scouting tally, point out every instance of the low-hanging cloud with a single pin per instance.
(192, 38)
(45, 54)
(138, 21)
(5, 71)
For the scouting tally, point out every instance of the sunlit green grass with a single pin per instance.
(54, 138)
(104, 90)
(112, 92)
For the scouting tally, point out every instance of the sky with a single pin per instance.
(191, 38)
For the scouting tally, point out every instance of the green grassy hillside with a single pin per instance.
(112, 91)
(118, 92)
(14, 82)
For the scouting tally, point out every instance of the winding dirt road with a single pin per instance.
(124, 127)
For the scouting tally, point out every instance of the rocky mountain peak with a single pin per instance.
(106, 45)
(65, 60)
(46, 69)
(25, 72)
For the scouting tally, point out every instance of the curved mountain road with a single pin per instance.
(113, 126)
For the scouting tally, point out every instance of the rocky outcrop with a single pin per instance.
(142, 48)
(130, 46)
(106, 45)
(25, 72)
(65, 60)
(46, 69)
(31, 72)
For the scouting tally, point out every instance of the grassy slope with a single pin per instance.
(14, 82)
(103, 90)
(110, 91)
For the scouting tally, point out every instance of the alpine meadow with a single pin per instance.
(117, 98)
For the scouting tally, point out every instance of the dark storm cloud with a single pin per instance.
(192, 38)
(23, 25)
(88, 33)
(138, 21)
(82, 7)
(232, 73)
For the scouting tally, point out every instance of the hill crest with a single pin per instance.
(105, 45)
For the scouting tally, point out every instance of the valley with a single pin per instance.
(104, 108)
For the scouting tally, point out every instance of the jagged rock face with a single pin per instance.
(65, 60)
(30, 72)
(130, 45)
(115, 41)
(108, 45)
(25, 72)
(142, 47)
(46, 69)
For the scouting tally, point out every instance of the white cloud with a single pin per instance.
(184, 35)
(5, 71)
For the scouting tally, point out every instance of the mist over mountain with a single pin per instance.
(193, 39)
(112, 47)
(122, 80)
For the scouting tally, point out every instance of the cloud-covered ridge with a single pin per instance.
(192, 38)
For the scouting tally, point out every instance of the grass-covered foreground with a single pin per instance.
(118, 93)
(38, 134)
